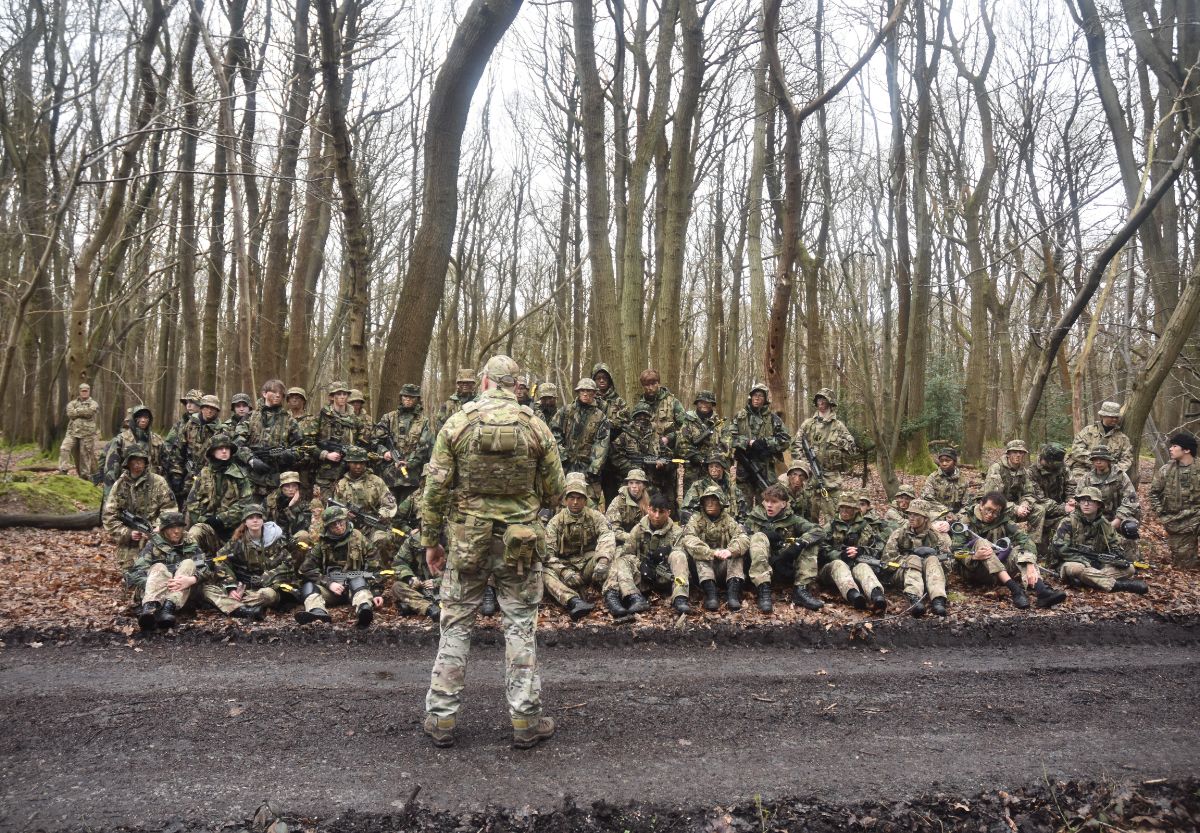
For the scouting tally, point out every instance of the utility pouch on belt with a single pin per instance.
(498, 439)
(520, 547)
(470, 544)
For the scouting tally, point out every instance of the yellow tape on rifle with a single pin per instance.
(1141, 565)
(287, 588)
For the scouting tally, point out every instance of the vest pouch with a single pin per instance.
(520, 547)
(471, 544)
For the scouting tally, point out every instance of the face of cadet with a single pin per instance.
(290, 489)
(658, 517)
(338, 527)
(356, 469)
(173, 534)
(636, 487)
(847, 513)
(143, 422)
(603, 381)
(650, 389)
(340, 398)
(988, 511)
(408, 402)
(758, 399)
(772, 506)
(137, 467)
(1090, 508)
(521, 390)
(1016, 459)
(208, 413)
(222, 452)
(587, 397)
(946, 464)
(711, 506)
(575, 502)
(254, 524)
(917, 523)
(241, 409)
(295, 402)
(716, 471)
(464, 388)
(1109, 422)
(272, 397)
(902, 503)
(1101, 467)
(704, 409)
(796, 480)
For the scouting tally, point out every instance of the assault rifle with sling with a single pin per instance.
(341, 448)
(389, 442)
(135, 522)
(818, 473)
(1102, 559)
(367, 519)
(753, 473)
(654, 559)
(265, 459)
(650, 461)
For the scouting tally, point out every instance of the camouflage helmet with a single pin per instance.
(906, 491)
(253, 509)
(241, 399)
(638, 475)
(1101, 452)
(356, 395)
(289, 477)
(1053, 452)
(547, 389)
(409, 389)
(209, 400)
(523, 379)
(756, 386)
(170, 519)
(136, 450)
(1110, 409)
(85, 386)
(220, 440)
(586, 383)
(922, 508)
(1090, 493)
(716, 460)
(800, 466)
(717, 492)
(466, 374)
(705, 396)
(338, 386)
(297, 392)
(1016, 445)
(948, 451)
(356, 454)
(138, 409)
(193, 396)
(848, 497)
(641, 409)
(576, 484)
(333, 514)
(827, 395)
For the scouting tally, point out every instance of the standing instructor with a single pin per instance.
(493, 466)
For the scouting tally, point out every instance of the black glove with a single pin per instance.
(775, 539)
(925, 552)
(759, 448)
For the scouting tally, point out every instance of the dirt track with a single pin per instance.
(114, 736)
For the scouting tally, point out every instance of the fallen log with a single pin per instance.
(80, 520)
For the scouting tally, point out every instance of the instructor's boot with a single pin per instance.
(528, 732)
(1047, 596)
(489, 605)
(801, 596)
(856, 598)
(636, 603)
(733, 594)
(1019, 599)
(764, 597)
(680, 603)
(915, 606)
(364, 615)
(878, 601)
(166, 616)
(577, 608)
(711, 601)
(1130, 585)
(439, 729)
(938, 606)
(612, 600)
(148, 616)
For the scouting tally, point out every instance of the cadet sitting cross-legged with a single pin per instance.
(254, 571)
(369, 502)
(629, 506)
(134, 505)
(850, 545)
(340, 569)
(783, 546)
(1090, 550)
(165, 573)
(717, 545)
(580, 547)
(920, 551)
(652, 559)
(218, 497)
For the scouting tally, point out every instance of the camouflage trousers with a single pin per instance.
(408, 598)
(324, 597)
(81, 450)
(719, 569)
(519, 595)
(1099, 578)
(985, 572)
(1183, 547)
(668, 578)
(784, 565)
(205, 537)
(843, 577)
(156, 583)
(917, 576)
(217, 596)
(556, 584)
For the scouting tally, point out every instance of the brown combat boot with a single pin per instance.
(528, 732)
(439, 729)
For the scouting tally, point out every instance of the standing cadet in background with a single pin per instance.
(1175, 497)
(1103, 432)
(1012, 478)
(759, 440)
(464, 392)
(666, 411)
(80, 441)
(948, 487)
(493, 466)
(337, 429)
(704, 435)
(402, 438)
(583, 436)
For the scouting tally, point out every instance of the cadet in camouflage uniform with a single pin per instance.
(1121, 506)
(1058, 490)
(80, 441)
(849, 538)
(337, 429)
(638, 446)
(829, 438)
(358, 404)
(783, 545)
(413, 588)
(717, 545)
(607, 400)
(580, 547)
(704, 435)
(948, 487)
(402, 439)
(191, 405)
(464, 392)
(522, 392)
(364, 491)
(652, 558)
(896, 515)
(137, 433)
(218, 497)
(919, 550)
(1081, 538)
(1011, 477)
(629, 506)
(493, 466)
(296, 403)
(165, 573)
(803, 498)
(1104, 432)
(716, 475)
(236, 425)
(141, 492)
(340, 549)
(547, 406)
(287, 509)
(1175, 498)
(270, 441)
(583, 435)
(254, 571)
(759, 439)
(666, 412)
(187, 453)
(985, 561)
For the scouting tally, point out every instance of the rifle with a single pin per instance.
(340, 448)
(753, 473)
(389, 442)
(355, 580)
(135, 522)
(654, 559)
(1103, 559)
(818, 472)
(1002, 547)
(277, 457)
(877, 565)
(367, 519)
(651, 461)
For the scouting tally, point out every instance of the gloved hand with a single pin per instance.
(572, 579)
(600, 573)
(774, 538)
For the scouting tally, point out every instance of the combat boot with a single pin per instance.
(434, 611)
(915, 606)
(528, 732)
(801, 596)
(148, 616)
(856, 598)
(439, 729)
(577, 608)
(733, 594)
(636, 603)
(709, 588)
(364, 615)
(1047, 596)
(612, 600)
(489, 605)
(680, 603)
(938, 606)
(252, 612)
(764, 597)
(1130, 585)
(1019, 599)
(317, 614)
(878, 601)
(166, 616)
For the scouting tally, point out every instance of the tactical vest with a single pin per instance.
(501, 452)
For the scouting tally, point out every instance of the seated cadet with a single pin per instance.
(716, 473)
(580, 547)
(783, 545)
(1053, 478)
(339, 569)
(254, 571)
(364, 491)
(629, 506)
(1090, 549)
(414, 589)
(165, 573)
(804, 500)
(287, 509)
(948, 486)
(639, 446)
(1120, 505)
(996, 551)
(1012, 477)
(652, 559)
(850, 540)
(896, 515)
(140, 492)
(919, 550)
(219, 494)
(717, 545)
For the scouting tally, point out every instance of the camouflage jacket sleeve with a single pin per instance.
(553, 537)
(113, 504)
(1021, 543)
(1129, 507)
(891, 549)
(600, 447)
(807, 531)
(994, 482)
(606, 541)
(1158, 486)
(442, 474)
(780, 439)
(739, 542)
(237, 493)
(550, 479)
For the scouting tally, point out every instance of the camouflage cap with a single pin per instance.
(298, 392)
(801, 466)
(523, 380)
(948, 451)
(922, 508)
(333, 514)
(1101, 452)
(241, 399)
(716, 460)
(253, 509)
(848, 498)
(641, 409)
(760, 386)
(356, 395)
(194, 396)
(1016, 445)
(137, 450)
(356, 454)
(501, 369)
(210, 400)
(717, 492)
(1110, 409)
(338, 387)
(220, 440)
(586, 383)
(1089, 493)
(906, 491)
(601, 367)
(170, 519)
(85, 386)
(547, 389)
(289, 477)
(827, 394)
(1054, 452)
(409, 389)
(466, 374)
(575, 483)
(705, 396)
(637, 474)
